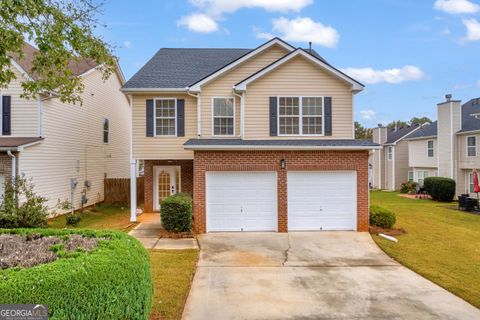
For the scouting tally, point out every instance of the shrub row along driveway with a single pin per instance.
(334, 275)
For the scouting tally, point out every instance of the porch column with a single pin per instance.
(133, 191)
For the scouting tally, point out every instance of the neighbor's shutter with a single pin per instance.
(328, 116)
(180, 117)
(273, 116)
(149, 118)
(6, 115)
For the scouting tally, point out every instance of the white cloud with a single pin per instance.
(217, 7)
(395, 75)
(127, 44)
(456, 6)
(446, 32)
(304, 29)
(265, 35)
(198, 22)
(368, 114)
(478, 83)
(461, 86)
(473, 30)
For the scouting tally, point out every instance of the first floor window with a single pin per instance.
(430, 148)
(470, 185)
(106, 130)
(471, 146)
(421, 177)
(165, 117)
(410, 176)
(300, 115)
(390, 153)
(223, 116)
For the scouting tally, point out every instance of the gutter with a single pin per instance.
(266, 147)
(138, 90)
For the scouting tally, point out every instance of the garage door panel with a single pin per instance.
(241, 201)
(322, 200)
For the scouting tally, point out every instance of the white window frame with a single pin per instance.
(234, 116)
(424, 174)
(410, 172)
(300, 117)
(155, 118)
(389, 153)
(469, 183)
(108, 131)
(432, 149)
(467, 147)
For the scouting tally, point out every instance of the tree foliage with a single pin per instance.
(362, 133)
(413, 121)
(63, 32)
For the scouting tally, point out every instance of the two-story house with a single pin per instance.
(263, 138)
(65, 149)
(448, 147)
(390, 164)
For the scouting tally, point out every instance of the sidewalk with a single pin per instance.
(148, 231)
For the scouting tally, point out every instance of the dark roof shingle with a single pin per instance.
(469, 122)
(13, 142)
(427, 130)
(280, 143)
(395, 135)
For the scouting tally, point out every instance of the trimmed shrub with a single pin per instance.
(440, 188)
(112, 281)
(382, 217)
(176, 213)
(408, 187)
(72, 219)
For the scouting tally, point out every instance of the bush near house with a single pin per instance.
(409, 187)
(382, 217)
(440, 188)
(112, 281)
(176, 212)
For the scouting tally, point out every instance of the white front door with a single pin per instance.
(241, 201)
(322, 200)
(166, 182)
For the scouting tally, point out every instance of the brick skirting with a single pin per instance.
(270, 161)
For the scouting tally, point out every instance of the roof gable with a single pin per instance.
(398, 134)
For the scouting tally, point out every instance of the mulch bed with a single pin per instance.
(35, 249)
(175, 235)
(389, 232)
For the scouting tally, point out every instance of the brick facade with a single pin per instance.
(6, 164)
(186, 178)
(270, 161)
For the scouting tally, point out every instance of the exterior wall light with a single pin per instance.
(282, 163)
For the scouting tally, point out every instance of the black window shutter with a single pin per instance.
(6, 115)
(273, 116)
(149, 118)
(180, 117)
(328, 116)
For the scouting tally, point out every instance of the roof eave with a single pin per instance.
(152, 90)
(277, 147)
(421, 138)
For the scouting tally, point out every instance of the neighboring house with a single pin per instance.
(55, 143)
(390, 164)
(240, 127)
(448, 147)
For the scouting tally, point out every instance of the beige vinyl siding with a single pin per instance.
(162, 147)
(466, 162)
(222, 86)
(73, 145)
(388, 167)
(297, 77)
(401, 163)
(449, 115)
(24, 122)
(418, 156)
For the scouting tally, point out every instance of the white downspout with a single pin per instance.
(40, 117)
(199, 112)
(14, 165)
(133, 168)
(242, 96)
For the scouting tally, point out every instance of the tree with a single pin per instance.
(413, 121)
(362, 132)
(422, 120)
(63, 32)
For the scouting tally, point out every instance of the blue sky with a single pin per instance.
(408, 53)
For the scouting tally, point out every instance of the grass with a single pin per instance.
(172, 273)
(101, 216)
(172, 270)
(441, 243)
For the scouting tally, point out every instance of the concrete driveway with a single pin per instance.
(311, 275)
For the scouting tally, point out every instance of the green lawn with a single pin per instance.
(441, 243)
(172, 270)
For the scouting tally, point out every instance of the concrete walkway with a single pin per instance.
(311, 275)
(148, 232)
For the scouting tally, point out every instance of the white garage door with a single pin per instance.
(241, 201)
(322, 200)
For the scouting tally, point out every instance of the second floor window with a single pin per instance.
(410, 176)
(471, 146)
(106, 130)
(223, 116)
(300, 115)
(390, 153)
(430, 148)
(165, 117)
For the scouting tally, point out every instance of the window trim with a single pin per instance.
(155, 118)
(108, 131)
(389, 153)
(234, 116)
(428, 149)
(475, 146)
(300, 117)
(408, 176)
(467, 184)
